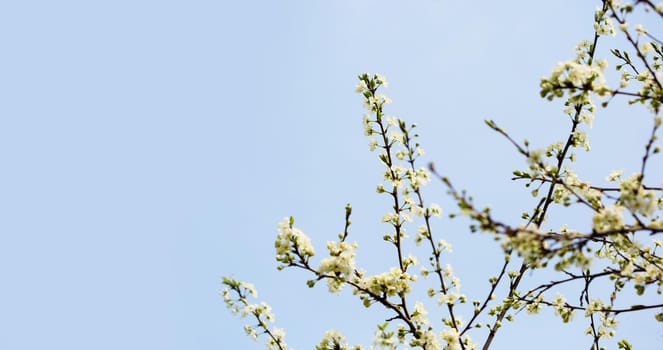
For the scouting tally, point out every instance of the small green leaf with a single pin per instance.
(624, 344)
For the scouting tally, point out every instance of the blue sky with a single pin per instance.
(151, 147)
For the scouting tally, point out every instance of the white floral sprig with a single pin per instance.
(235, 295)
(334, 340)
(399, 152)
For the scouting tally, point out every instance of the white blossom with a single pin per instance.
(609, 218)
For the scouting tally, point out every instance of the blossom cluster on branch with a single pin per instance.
(619, 244)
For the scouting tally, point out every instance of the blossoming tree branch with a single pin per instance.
(619, 245)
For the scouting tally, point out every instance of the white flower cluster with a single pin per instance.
(418, 177)
(452, 295)
(649, 76)
(603, 25)
(572, 187)
(334, 340)
(451, 336)
(448, 339)
(340, 264)
(578, 79)
(608, 323)
(390, 283)
(367, 87)
(534, 307)
(419, 314)
(528, 241)
(632, 197)
(427, 340)
(395, 174)
(572, 76)
(537, 164)
(261, 311)
(635, 198)
(276, 340)
(562, 309)
(291, 243)
(650, 89)
(390, 134)
(608, 219)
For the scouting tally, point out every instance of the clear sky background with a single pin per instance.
(150, 147)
